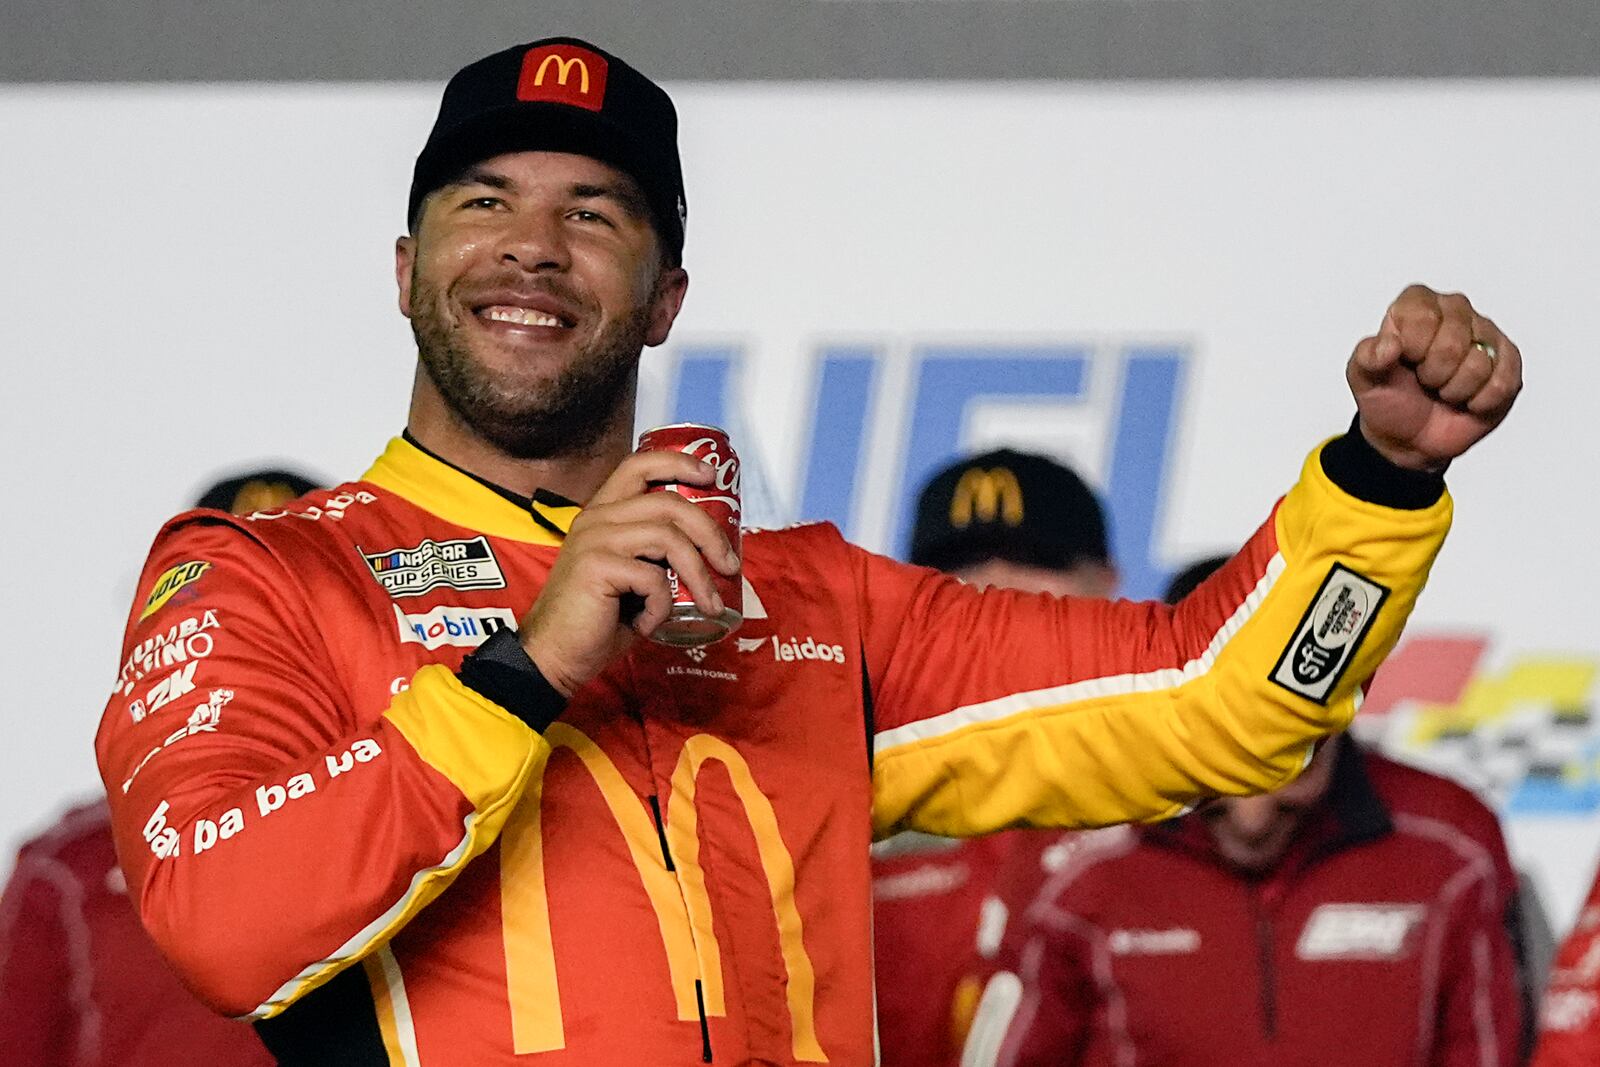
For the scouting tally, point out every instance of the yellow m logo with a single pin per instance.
(563, 71)
(681, 904)
(985, 495)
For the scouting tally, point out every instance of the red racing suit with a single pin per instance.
(1380, 938)
(338, 821)
(1569, 1017)
(928, 897)
(81, 985)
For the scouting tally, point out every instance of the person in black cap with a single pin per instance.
(1007, 520)
(458, 814)
(1014, 520)
(80, 981)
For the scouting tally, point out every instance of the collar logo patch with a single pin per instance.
(171, 581)
(466, 564)
(563, 74)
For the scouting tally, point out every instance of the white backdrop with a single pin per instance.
(196, 279)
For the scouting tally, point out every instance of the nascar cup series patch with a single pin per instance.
(171, 581)
(468, 564)
(1329, 634)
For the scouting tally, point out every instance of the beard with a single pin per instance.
(563, 414)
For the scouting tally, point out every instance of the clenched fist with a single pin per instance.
(1435, 379)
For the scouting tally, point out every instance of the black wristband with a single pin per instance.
(501, 671)
(1352, 464)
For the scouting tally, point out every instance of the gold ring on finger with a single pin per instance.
(1488, 349)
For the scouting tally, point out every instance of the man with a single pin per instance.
(459, 813)
(80, 982)
(1356, 916)
(1006, 520)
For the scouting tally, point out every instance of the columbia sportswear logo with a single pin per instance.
(789, 649)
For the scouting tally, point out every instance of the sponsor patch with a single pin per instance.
(461, 627)
(170, 582)
(1330, 632)
(793, 649)
(202, 720)
(1177, 941)
(468, 564)
(563, 74)
(333, 507)
(182, 642)
(162, 839)
(1359, 931)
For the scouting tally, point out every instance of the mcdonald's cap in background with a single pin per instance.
(1007, 505)
(253, 491)
(560, 94)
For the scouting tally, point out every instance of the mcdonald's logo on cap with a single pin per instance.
(563, 74)
(986, 495)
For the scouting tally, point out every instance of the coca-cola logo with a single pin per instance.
(706, 450)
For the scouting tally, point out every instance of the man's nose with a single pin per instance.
(536, 242)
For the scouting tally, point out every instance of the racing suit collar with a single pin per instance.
(440, 488)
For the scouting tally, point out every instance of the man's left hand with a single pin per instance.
(1435, 379)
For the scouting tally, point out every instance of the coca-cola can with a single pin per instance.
(688, 626)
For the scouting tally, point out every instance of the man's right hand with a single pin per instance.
(615, 550)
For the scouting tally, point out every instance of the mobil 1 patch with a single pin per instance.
(468, 564)
(1330, 632)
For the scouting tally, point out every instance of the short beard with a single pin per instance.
(565, 415)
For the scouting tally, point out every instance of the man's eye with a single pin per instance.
(484, 201)
(583, 214)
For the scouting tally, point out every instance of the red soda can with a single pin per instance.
(688, 626)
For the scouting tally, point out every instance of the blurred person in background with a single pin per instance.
(81, 983)
(1569, 1014)
(1008, 520)
(468, 817)
(1361, 915)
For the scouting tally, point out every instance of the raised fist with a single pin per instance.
(1435, 379)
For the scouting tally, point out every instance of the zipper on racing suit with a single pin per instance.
(1266, 967)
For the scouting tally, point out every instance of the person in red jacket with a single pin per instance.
(1569, 1015)
(81, 984)
(433, 801)
(1007, 520)
(1357, 916)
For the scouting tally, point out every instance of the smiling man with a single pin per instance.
(449, 809)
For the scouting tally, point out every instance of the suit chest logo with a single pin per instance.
(1359, 931)
(429, 565)
(459, 627)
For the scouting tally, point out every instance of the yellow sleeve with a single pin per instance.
(1000, 709)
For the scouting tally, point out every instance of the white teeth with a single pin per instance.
(520, 316)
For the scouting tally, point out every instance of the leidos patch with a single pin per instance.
(452, 564)
(172, 580)
(563, 74)
(1329, 634)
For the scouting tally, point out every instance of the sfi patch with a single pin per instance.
(1329, 634)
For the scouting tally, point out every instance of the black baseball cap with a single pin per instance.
(1188, 580)
(559, 94)
(257, 490)
(1015, 506)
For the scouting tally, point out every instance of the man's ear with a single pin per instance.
(405, 259)
(666, 303)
